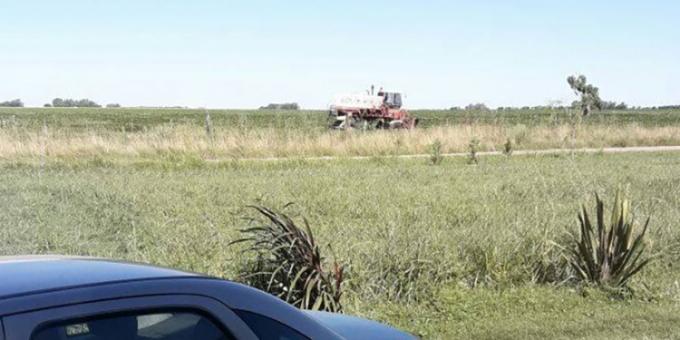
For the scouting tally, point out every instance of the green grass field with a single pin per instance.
(449, 251)
(68, 133)
(135, 119)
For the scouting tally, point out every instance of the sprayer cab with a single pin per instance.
(391, 99)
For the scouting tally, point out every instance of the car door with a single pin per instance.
(172, 317)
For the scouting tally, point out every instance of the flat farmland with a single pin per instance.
(445, 251)
(67, 133)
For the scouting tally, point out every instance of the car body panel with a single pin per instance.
(27, 275)
(249, 299)
(38, 285)
(350, 327)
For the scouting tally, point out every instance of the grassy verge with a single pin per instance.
(446, 251)
(536, 312)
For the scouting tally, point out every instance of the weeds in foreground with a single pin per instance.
(436, 156)
(288, 263)
(507, 147)
(208, 126)
(407, 267)
(473, 149)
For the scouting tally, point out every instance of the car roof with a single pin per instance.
(33, 274)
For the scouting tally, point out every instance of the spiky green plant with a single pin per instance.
(288, 263)
(609, 254)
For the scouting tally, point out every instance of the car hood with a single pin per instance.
(350, 327)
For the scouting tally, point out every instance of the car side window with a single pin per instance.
(162, 325)
(268, 329)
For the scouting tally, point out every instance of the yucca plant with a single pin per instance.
(288, 263)
(609, 254)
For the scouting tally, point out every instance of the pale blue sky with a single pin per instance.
(250, 53)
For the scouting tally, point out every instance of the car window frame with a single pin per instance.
(244, 313)
(23, 326)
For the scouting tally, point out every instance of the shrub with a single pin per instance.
(507, 147)
(609, 254)
(208, 125)
(288, 263)
(436, 157)
(473, 148)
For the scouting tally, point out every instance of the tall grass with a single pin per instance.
(235, 143)
(402, 227)
(408, 232)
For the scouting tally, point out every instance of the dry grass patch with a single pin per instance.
(272, 142)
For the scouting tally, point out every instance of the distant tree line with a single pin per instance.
(614, 106)
(12, 103)
(606, 105)
(58, 102)
(477, 107)
(283, 106)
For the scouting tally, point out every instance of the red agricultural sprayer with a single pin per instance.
(370, 111)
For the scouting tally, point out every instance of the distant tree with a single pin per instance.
(477, 107)
(112, 105)
(58, 102)
(455, 108)
(614, 106)
(12, 103)
(590, 95)
(47, 105)
(283, 106)
(87, 103)
(621, 106)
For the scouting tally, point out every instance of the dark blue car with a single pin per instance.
(66, 298)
